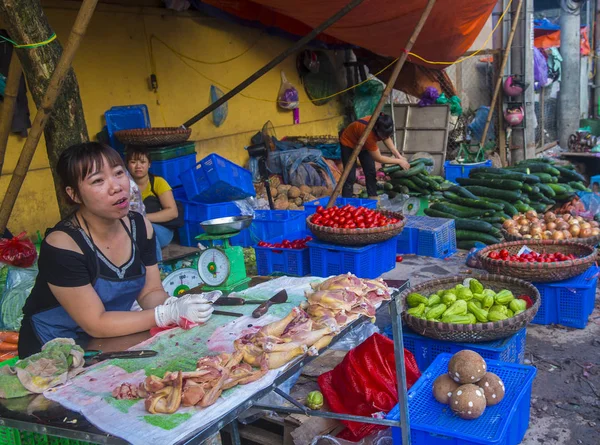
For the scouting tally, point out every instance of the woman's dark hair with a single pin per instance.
(78, 161)
(136, 152)
(384, 127)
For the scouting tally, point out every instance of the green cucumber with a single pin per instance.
(477, 236)
(408, 173)
(425, 161)
(509, 209)
(571, 175)
(407, 183)
(437, 179)
(419, 182)
(517, 176)
(578, 186)
(539, 207)
(476, 203)
(457, 211)
(473, 224)
(547, 190)
(471, 212)
(537, 168)
(506, 195)
(522, 207)
(388, 186)
(536, 161)
(501, 184)
(437, 213)
(461, 191)
(494, 219)
(390, 169)
(546, 178)
(433, 184)
(559, 189)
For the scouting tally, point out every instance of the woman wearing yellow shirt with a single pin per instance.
(156, 192)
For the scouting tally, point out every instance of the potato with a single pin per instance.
(283, 188)
(292, 206)
(309, 198)
(294, 192)
(274, 192)
(298, 201)
(305, 189)
(281, 205)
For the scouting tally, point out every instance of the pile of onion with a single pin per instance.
(550, 226)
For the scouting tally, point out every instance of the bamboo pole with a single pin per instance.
(386, 92)
(8, 108)
(515, 22)
(276, 61)
(41, 118)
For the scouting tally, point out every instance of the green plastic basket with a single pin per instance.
(12, 436)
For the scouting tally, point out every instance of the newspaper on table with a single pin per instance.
(91, 393)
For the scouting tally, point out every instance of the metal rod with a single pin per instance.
(47, 104)
(10, 99)
(500, 76)
(328, 415)
(234, 431)
(395, 311)
(291, 400)
(386, 92)
(276, 61)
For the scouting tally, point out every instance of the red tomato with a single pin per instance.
(320, 209)
(493, 255)
(399, 258)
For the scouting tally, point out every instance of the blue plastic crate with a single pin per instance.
(172, 168)
(437, 236)
(125, 118)
(197, 211)
(294, 262)
(365, 262)
(311, 206)
(425, 349)
(433, 423)
(269, 224)
(408, 241)
(568, 302)
(453, 171)
(179, 193)
(216, 179)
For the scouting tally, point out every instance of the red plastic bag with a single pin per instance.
(18, 251)
(364, 383)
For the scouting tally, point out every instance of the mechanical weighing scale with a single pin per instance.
(222, 267)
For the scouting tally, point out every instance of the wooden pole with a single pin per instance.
(513, 29)
(542, 114)
(501, 135)
(386, 92)
(276, 61)
(64, 64)
(10, 99)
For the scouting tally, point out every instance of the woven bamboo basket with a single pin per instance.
(478, 332)
(590, 241)
(540, 272)
(153, 137)
(358, 237)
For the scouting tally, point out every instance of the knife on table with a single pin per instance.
(99, 355)
(278, 298)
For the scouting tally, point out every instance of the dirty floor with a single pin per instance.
(565, 404)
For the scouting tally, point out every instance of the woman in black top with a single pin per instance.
(94, 264)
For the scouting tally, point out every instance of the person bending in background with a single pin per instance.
(161, 208)
(382, 131)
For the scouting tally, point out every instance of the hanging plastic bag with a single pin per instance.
(365, 383)
(220, 114)
(18, 251)
(287, 98)
(19, 282)
(136, 204)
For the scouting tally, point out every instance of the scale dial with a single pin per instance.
(180, 281)
(213, 267)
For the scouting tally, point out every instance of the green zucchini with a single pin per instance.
(473, 224)
(476, 203)
(461, 191)
(571, 175)
(526, 188)
(471, 212)
(407, 183)
(437, 213)
(425, 161)
(408, 173)
(419, 182)
(433, 184)
(547, 190)
(502, 184)
(494, 219)
(388, 186)
(522, 207)
(559, 189)
(506, 195)
(477, 236)
(437, 179)
(517, 176)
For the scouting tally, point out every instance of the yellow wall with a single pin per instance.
(113, 64)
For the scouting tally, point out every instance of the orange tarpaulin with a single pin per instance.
(552, 39)
(381, 26)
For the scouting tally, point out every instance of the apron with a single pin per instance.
(117, 294)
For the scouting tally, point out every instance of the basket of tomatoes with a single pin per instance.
(542, 261)
(354, 226)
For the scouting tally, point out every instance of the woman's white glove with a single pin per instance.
(194, 308)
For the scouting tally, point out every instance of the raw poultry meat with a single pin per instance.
(333, 303)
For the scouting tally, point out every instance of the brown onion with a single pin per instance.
(531, 214)
(550, 217)
(509, 223)
(595, 231)
(551, 226)
(558, 236)
(575, 230)
(567, 234)
(524, 229)
(585, 233)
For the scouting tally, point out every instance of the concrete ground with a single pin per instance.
(565, 403)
